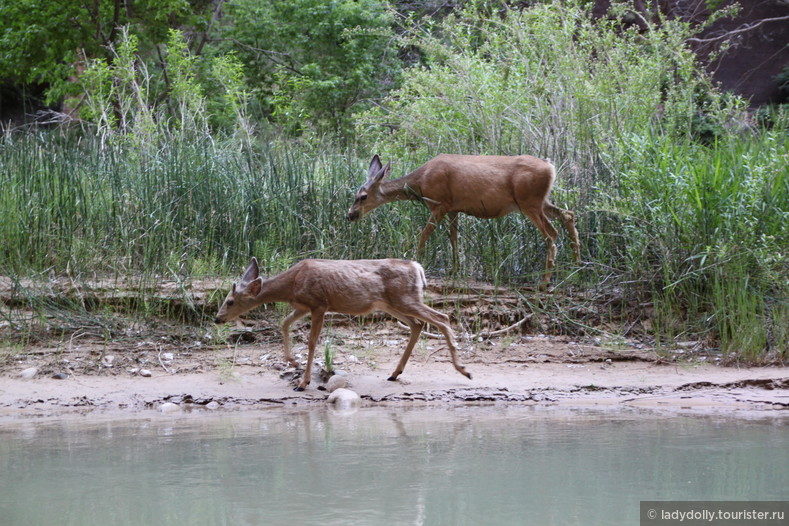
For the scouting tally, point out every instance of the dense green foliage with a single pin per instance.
(314, 62)
(311, 64)
(42, 42)
(682, 204)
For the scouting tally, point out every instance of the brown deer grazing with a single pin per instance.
(481, 186)
(318, 286)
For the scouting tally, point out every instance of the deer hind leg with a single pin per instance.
(452, 218)
(294, 316)
(422, 312)
(315, 331)
(567, 217)
(541, 222)
(416, 327)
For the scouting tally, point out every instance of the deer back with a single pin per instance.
(357, 286)
(484, 186)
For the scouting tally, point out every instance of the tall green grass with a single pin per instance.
(688, 227)
(69, 204)
(699, 231)
(706, 230)
(75, 204)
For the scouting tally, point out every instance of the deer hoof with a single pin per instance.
(391, 379)
(298, 388)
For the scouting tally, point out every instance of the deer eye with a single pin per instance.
(363, 197)
(229, 303)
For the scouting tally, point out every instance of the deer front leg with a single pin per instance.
(296, 315)
(436, 215)
(315, 331)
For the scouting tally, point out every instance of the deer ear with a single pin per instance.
(254, 286)
(382, 172)
(252, 271)
(386, 170)
(375, 167)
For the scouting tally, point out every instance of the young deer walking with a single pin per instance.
(481, 186)
(318, 286)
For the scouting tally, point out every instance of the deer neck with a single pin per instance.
(403, 189)
(276, 288)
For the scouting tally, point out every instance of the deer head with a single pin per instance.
(369, 195)
(241, 297)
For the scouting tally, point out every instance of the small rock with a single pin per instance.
(60, 376)
(213, 404)
(145, 373)
(168, 356)
(336, 382)
(28, 373)
(169, 407)
(344, 399)
(107, 361)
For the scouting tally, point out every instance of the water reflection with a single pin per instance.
(459, 465)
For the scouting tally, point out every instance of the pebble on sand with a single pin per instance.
(28, 373)
(336, 382)
(169, 407)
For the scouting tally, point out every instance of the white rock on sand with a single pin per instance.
(344, 398)
(28, 373)
(169, 407)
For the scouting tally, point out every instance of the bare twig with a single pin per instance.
(159, 356)
(741, 29)
(214, 17)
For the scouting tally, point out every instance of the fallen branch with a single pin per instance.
(479, 334)
(501, 331)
